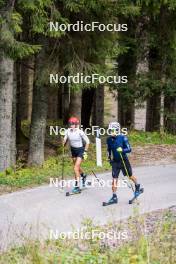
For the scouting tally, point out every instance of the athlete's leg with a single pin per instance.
(77, 165)
(137, 185)
(83, 176)
(115, 175)
(127, 171)
(74, 161)
(114, 199)
(134, 179)
(81, 156)
(81, 171)
(77, 169)
(114, 185)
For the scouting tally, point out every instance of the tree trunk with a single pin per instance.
(6, 98)
(39, 114)
(53, 104)
(98, 107)
(27, 78)
(13, 133)
(170, 114)
(75, 104)
(125, 111)
(59, 98)
(142, 36)
(157, 65)
(126, 102)
(153, 113)
(20, 137)
(87, 103)
(127, 67)
(65, 101)
(6, 92)
(142, 64)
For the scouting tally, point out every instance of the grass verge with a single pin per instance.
(156, 247)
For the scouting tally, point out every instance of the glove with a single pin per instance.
(110, 160)
(85, 155)
(62, 133)
(119, 149)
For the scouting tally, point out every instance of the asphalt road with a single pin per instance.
(34, 213)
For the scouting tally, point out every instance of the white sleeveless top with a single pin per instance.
(76, 137)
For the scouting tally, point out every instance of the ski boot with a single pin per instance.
(83, 178)
(75, 190)
(137, 192)
(113, 200)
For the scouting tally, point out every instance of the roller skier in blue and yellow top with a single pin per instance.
(117, 148)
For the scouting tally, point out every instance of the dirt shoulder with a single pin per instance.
(153, 155)
(139, 226)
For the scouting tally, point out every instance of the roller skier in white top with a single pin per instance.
(79, 144)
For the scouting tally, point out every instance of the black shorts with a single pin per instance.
(77, 152)
(118, 166)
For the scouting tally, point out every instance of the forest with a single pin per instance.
(30, 52)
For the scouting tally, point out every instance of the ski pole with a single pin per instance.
(96, 177)
(127, 182)
(63, 160)
(62, 171)
(126, 169)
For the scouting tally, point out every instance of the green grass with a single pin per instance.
(140, 138)
(52, 167)
(144, 138)
(157, 248)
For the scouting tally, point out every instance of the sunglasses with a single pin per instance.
(113, 130)
(72, 123)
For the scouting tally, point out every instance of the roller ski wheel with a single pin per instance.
(136, 195)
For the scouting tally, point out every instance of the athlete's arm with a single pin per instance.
(126, 146)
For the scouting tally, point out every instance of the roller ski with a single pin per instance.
(113, 200)
(75, 190)
(138, 191)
